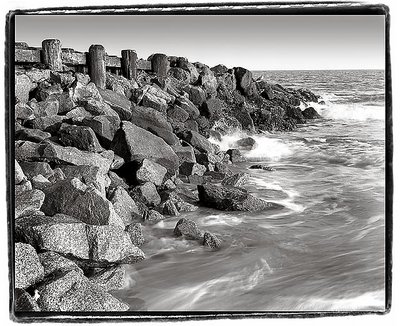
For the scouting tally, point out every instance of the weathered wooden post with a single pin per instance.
(97, 65)
(128, 64)
(52, 54)
(160, 65)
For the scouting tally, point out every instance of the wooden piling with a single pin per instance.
(52, 54)
(128, 63)
(160, 65)
(97, 65)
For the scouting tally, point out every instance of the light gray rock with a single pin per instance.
(28, 269)
(124, 205)
(151, 172)
(27, 202)
(109, 279)
(188, 229)
(40, 182)
(19, 174)
(236, 180)
(54, 262)
(135, 232)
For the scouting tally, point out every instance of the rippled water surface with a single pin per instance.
(323, 251)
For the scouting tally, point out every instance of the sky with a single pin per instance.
(255, 42)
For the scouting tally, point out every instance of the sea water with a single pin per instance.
(324, 251)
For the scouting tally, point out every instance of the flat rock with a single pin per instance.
(261, 167)
(132, 143)
(28, 269)
(27, 202)
(151, 172)
(86, 203)
(231, 199)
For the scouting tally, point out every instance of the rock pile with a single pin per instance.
(92, 165)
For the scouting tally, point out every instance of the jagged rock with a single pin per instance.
(148, 193)
(310, 113)
(25, 150)
(247, 143)
(188, 168)
(38, 75)
(132, 142)
(208, 158)
(50, 106)
(81, 92)
(40, 182)
(54, 262)
(64, 78)
(207, 79)
(19, 173)
(307, 95)
(188, 106)
(245, 119)
(119, 103)
(97, 107)
(178, 114)
(46, 89)
(169, 185)
(57, 175)
(188, 229)
(184, 153)
(219, 69)
(145, 117)
(23, 301)
(191, 125)
(79, 112)
(198, 141)
(33, 135)
(117, 162)
(262, 167)
(216, 175)
(153, 216)
(231, 199)
(235, 155)
(135, 232)
(90, 175)
(25, 185)
(198, 180)
(116, 181)
(32, 169)
(71, 291)
(66, 102)
(212, 241)
(23, 111)
(166, 135)
(74, 198)
(104, 127)
(154, 102)
(71, 155)
(189, 67)
(23, 86)
(81, 137)
(196, 94)
(295, 113)
(180, 74)
(109, 279)
(27, 202)
(212, 108)
(151, 172)
(60, 233)
(244, 81)
(169, 208)
(49, 124)
(28, 269)
(236, 180)
(124, 205)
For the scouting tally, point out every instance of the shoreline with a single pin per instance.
(98, 155)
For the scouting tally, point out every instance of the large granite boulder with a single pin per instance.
(134, 143)
(188, 106)
(236, 180)
(28, 269)
(33, 135)
(27, 202)
(197, 95)
(124, 205)
(185, 153)
(23, 86)
(119, 103)
(198, 141)
(54, 263)
(81, 137)
(86, 203)
(145, 117)
(188, 229)
(151, 172)
(109, 279)
(311, 113)
(135, 231)
(231, 199)
(104, 127)
(212, 241)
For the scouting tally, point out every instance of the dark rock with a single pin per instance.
(135, 232)
(148, 193)
(219, 69)
(196, 94)
(132, 143)
(109, 279)
(244, 80)
(28, 269)
(74, 198)
(197, 179)
(212, 108)
(32, 169)
(235, 155)
(231, 199)
(166, 135)
(118, 103)
(247, 143)
(27, 202)
(198, 141)
(116, 181)
(311, 113)
(104, 127)
(26, 150)
(74, 292)
(321, 103)
(189, 168)
(262, 167)
(24, 302)
(153, 216)
(236, 180)
(49, 124)
(184, 153)
(207, 79)
(178, 114)
(188, 229)
(244, 119)
(34, 135)
(212, 241)
(180, 74)
(124, 205)
(151, 172)
(169, 208)
(295, 113)
(81, 137)
(192, 125)
(215, 175)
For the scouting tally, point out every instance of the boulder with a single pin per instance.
(151, 172)
(124, 205)
(28, 269)
(212, 241)
(246, 143)
(19, 173)
(212, 108)
(86, 203)
(244, 80)
(184, 153)
(32, 169)
(109, 279)
(188, 106)
(23, 302)
(169, 208)
(46, 89)
(231, 199)
(117, 162)
(132, 143)
(188, 229)
(189, 67)
(198, 141)
(54, 262)
(27, 202)
(148, 193)
(178, 114)
(23, 86)
(81, 137)
(166, 135)
(116, 181)
(40, 182)
(25, 150)
(33, 135)
(189, 168)
(78, 113)
(180, 74)
(152, 101)
(25, 185)
(135, 232)
(82, 92)
(196, 94)
(71, 291)
(50, 106)
(57, 175)
(235, 155)
(296, 114)
(219, 69)
(153, 216)
(236, 180)
(261, 167)
(49, 124)
(38, 75)
(104, 127)
(310, 113)
(145, 117)
(191, 125)
(96, 107)
(119, 103)
(23, 111)
(66, 102)
(207, 79)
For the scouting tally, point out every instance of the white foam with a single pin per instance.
(219, 219)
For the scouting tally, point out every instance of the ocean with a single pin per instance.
(324, 251)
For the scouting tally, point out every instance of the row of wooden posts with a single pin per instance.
(51, 49)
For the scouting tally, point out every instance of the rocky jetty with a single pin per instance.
(97, 155)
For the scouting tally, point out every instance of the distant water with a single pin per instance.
(323, 252)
